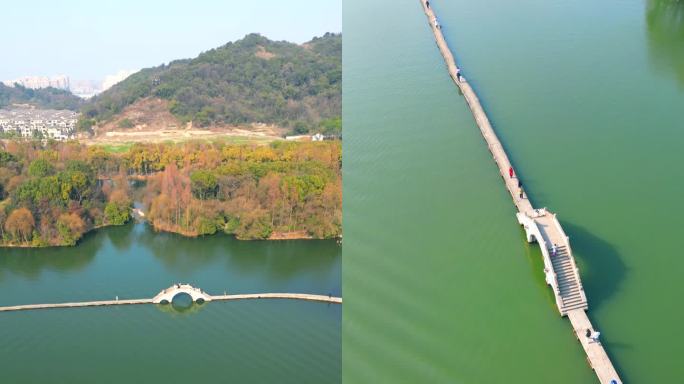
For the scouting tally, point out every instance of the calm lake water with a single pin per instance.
(244, 342)
(587, 97)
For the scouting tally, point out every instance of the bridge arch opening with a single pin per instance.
(181, 301)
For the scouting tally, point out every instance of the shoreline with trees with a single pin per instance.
(52, 194)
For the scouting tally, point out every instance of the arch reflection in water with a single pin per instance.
(182, 301)
(181, 304)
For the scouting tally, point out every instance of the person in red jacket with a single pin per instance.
(510, 172)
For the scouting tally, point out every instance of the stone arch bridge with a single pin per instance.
(166, 296)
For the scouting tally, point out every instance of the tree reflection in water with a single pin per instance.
(133, 261)
(31, 262)
(665, 32)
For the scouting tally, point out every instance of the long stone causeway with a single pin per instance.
(166, 296)
(541, 225)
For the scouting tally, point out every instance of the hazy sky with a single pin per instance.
(87, 40)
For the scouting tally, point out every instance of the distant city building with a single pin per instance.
(85, 88)
(36, 82)
(81, 88)
(46, 123)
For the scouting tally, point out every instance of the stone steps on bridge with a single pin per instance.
(569, 286)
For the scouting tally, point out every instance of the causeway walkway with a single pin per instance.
(541, 226)
(166, 296)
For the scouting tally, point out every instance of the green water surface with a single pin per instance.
(265, 341)
(587, 98)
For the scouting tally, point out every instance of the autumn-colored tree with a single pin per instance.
(71, 227)
(3, 218)
(14, 182)
(20, 224)
(254, 225)
(271, 197)
(190, 188)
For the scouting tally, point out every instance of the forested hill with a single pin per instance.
(253, 80)
(50, 98)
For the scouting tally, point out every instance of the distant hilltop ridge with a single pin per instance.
(253, 80)
(296, 88)
(46, 98)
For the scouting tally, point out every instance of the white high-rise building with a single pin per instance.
(36, 82)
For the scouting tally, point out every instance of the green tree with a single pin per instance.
(75, 185)
(115, 214)
(85, 124)
(77, 181)
(254, 226)
(204, 184)
(118, 209)
(6, 158)
(205, 226)
(40, 168)
(332, 126)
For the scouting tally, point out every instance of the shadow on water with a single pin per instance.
(275, 259)
(31, 262)
(602, 272)
(601, 267)
(665, 33)
(121, 237)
